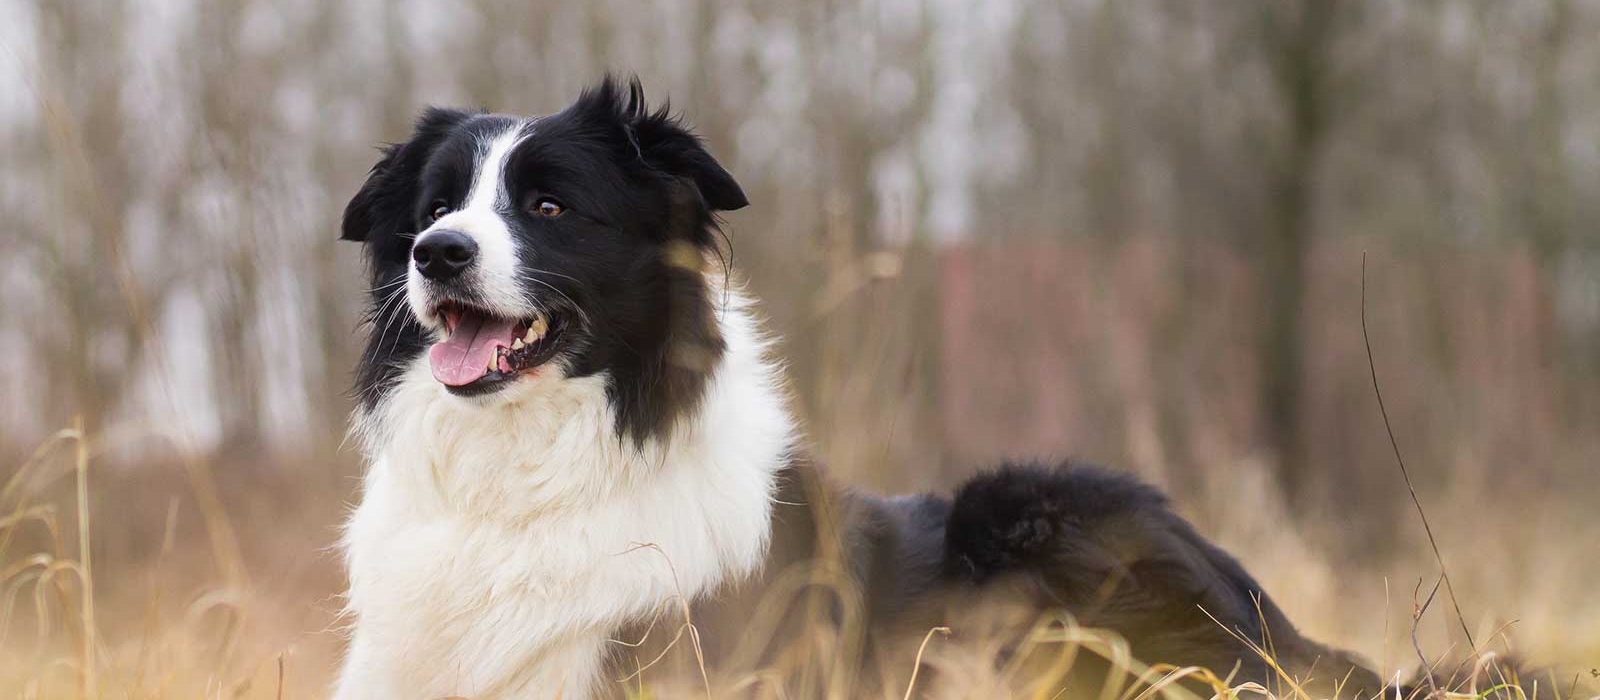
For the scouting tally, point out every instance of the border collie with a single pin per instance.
(572, 423)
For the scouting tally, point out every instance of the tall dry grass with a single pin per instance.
(159, 613)
(106, 595)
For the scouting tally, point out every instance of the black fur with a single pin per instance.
(1099, 545)
(1110, 550)
(621, 266)
(383, 216)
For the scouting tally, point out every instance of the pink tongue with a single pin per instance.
(464, 357)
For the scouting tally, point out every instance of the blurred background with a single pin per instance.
(1132, 232)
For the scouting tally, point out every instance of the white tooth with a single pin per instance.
(517, 344)
(494, 362)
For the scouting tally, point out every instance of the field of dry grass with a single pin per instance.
(237, 598)
(214, 575)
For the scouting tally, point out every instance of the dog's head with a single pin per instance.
(510, 250)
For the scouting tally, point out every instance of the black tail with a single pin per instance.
(1109, 550)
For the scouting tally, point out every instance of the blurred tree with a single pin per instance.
(175, 186)
(83, 247)
(1299, 40)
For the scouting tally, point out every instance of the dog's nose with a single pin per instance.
(442, 255)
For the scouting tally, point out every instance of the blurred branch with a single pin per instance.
(1405, 474)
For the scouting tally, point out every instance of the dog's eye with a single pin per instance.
(548, 208)
(440, 209)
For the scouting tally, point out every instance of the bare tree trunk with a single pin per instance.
(1299, 45)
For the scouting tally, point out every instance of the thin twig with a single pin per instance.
(917, 665)
(91, 686)
(1383, 661)
(688, 617)
(1417, 611)
(1395, 444)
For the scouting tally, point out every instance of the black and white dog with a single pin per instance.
(571, 421)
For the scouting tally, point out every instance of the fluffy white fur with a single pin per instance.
(495, 274)
(500, 541)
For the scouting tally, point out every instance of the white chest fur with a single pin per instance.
(498, 546)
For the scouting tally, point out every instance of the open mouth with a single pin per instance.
(482, 352)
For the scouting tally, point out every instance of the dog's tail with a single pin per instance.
(1110, 551)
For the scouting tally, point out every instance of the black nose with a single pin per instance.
(442, 255)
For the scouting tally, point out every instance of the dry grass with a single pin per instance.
(168, 615)
(175, 619)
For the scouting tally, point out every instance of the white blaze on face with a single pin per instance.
(494, 276)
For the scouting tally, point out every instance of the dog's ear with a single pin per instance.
(385, 200)
(681, 152)
(662, 140)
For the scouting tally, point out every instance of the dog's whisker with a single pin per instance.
(575, 307)
(378, 309)
(399, 280)
(397, 300)
(400, 307)
(553, 273)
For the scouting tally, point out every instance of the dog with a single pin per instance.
(572, 422)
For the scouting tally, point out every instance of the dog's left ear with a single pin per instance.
(669, 146)
(662, 140)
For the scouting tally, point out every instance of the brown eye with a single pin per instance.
(440, 211)
(548, 208)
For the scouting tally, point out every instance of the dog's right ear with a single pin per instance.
(385, 200)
